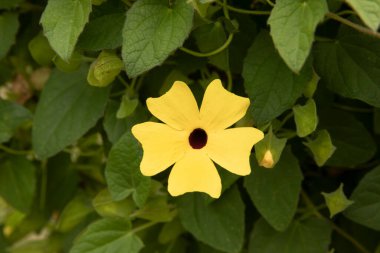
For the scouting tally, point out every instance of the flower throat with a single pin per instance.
(198, 138)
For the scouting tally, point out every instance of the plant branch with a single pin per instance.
(243, 11)
(353, 25)
(15, 152)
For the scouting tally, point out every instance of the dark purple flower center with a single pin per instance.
(198, 138)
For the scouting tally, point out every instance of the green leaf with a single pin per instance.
(127, 107)
(219, 224)
(368, 10)
(349, 65)
(123, 171)
(156, 209)
(105, 206)
(210, 37)
(104, 69)
(366, 197)
(311, 236)
(62, 22)
(354, 144)
(103, 32)
(306, 118)
(271, 86)
(74, 213)
(12, 116)
(292, 24)
(67, 109)
(108, 235)
(275, 192)
(152, 31)
(17, 182)
(337, 201)
(321, 147)
(41, 50)
(8, 28)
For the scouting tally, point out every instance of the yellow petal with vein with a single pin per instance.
(231, 148)
(162, 145)
(195, 172)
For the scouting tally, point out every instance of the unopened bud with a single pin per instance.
(267, 161)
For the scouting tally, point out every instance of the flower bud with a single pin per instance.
(268, 150)
(41, 50)
(104, 69)
(267, 161)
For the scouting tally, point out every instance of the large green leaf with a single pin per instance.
(368, 10)
(366, 197)
(103, 32)
(123, 171)
(270, 84)
(292, 24)
(153, 30)
(109, 235)
(275, 191)
(311, 236)
(68, 108)
(62, 22)
(8, 4)
(17, 182)
(349, 65)
(8, 28)
(354, 144)
(219, 224)
(12, 115)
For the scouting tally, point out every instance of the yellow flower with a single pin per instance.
(192, 138)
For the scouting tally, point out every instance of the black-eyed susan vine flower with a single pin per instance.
(192, 138)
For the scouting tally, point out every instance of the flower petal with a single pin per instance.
(194, 172)
(162, 146)
(231, 148)
(177, 107)
(221, 108)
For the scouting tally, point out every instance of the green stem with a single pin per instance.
(229, 80)
(243, 11)
(353, 109)
(346, 12)
(284, 120)
(208, 54)
(15, 152)
(353, 25)
(143, 227)
(270, 3)
(337, 229)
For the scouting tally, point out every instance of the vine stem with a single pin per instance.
(243, 11)
(337, 229)
(15, 152)
(353, 25)
(145, 226)
(214, 52)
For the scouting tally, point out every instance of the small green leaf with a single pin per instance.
(170, 231)
(311, 236)
(268, 151)
(127, 107)
(292, 24)
(104, 69)
(267, 190)
(368, 10)
(55, 126)
(8, 29)
(108, 235)
(219, 224)
(40, 50)
(152, 31)
(311, 87)
(321, 147)
(62, 22)
(12, 116)
(210, 37)
(103, 32)
(74, 213)
(18, 182)
(156, 209)
(105, 206)
(123, 171)
(271, 86)
(306, 118)
(343, 65)
(337, 201)
(366, 197)
(70, 65)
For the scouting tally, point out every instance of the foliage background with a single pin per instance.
(69, 177)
